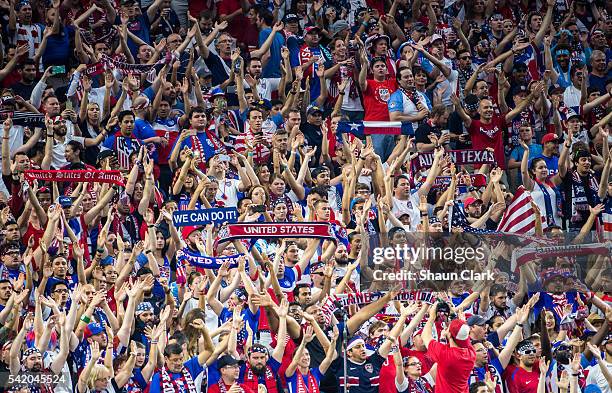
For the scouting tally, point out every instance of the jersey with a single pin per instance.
(375, 99)
(363, 378)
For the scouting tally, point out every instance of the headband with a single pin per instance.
(354, 343)
(563, 52)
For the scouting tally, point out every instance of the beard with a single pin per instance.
(37, 367)
(259, 370)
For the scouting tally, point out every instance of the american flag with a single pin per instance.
(520, 216)
(458, 219)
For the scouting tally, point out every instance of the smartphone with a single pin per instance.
(69, 104)
(55, 70)
(237, 66)
(258, 208)
(224, 158)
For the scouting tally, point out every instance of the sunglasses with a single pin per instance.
(528, 352)
(464, 58)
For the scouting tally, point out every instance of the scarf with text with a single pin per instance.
(312, 387)
(24, 119)
(79, 176)
(520, 256)
(205, 262)
(317, 230)
(330, 305)
(171, 386)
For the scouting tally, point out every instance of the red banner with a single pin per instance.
(79, 176)
(319, 230)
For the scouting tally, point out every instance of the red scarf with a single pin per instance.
(312, 383)
(170, 385)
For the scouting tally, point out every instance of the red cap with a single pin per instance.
(188, 230)
(469, 200)
(460, 332)
(549, 138)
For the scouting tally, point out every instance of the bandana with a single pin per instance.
(241, 294)
(144, 307)
(257, 349)
(528, 346)
(30, 351)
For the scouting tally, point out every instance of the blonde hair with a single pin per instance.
(95, 374)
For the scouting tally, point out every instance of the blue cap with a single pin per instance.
(265, 104)
(65, 201)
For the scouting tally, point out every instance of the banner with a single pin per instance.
(204, 216)
(478, 180)
(319, 230)
(520, 256)
(205, 262)
(459, 157)
(24, 119)
(333, 302)
(80, 176)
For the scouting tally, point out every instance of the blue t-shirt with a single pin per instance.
(247, 316)
(140, 27)
(552, 163)
(292, 381)
(58, 50)
(517, 153)
(272, 69)
(193, 367)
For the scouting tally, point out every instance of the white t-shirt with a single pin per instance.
(410, 207)
(59, 159)
(228, 192)
(596, 377)
(265, 87)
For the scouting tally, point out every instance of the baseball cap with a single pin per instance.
(338, 26)
(313, 109)
(420, 27)
(65, 201)
(571, 113)
(312, 29)
(105, 154)
(264, 103)
(291, 17)
(217, 91)
(127, 2)
(226, 360)
(460, 332)
(434, 38)
(470, 200)
(188, 230)
(550, 137)
(92, 329)
(476, 320)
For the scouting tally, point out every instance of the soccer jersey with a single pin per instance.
(363, 378)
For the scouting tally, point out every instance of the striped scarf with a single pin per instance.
(171, 386)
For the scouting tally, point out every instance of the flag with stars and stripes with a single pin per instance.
(362, 128)
(458, 219)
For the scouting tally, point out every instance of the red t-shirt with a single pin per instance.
(520, 380)
(454, 366)
(490, 135)
(375, 99)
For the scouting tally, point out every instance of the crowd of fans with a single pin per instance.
(118, 113)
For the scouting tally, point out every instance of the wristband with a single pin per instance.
(154, 341)
(147, 252)
(575, 375)
(50, 135)
(341, 93)
(423, 214)
(85, 318)
(519, 324)
(100, 250)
